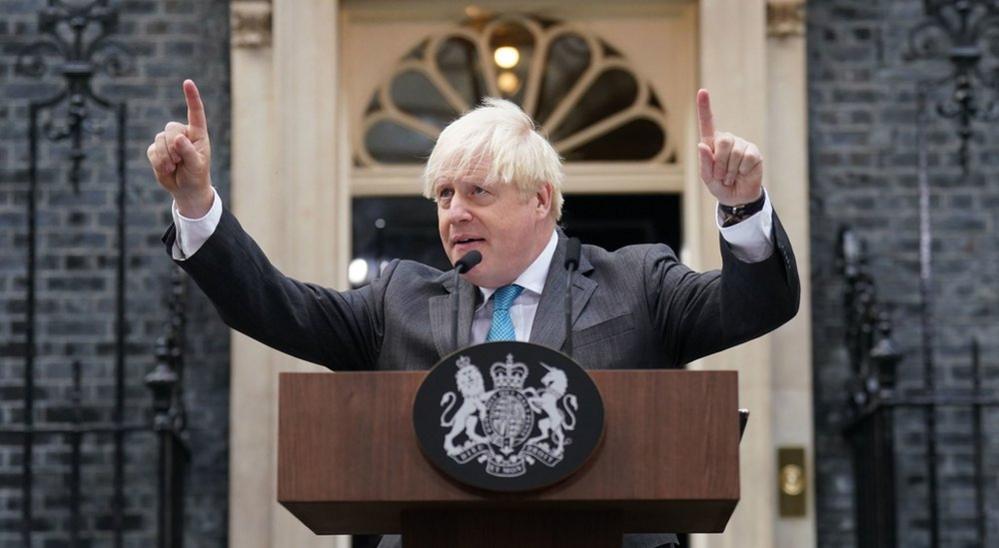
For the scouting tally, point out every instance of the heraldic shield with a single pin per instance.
(508, 416)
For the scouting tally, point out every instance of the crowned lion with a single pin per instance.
(466, 419)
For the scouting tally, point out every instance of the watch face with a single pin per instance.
(508, 416)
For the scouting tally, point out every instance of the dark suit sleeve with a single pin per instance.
(340, 330)
(704, 313)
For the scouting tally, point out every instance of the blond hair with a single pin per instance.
(500, 132)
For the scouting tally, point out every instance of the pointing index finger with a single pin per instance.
(705, 119)
(196, 121)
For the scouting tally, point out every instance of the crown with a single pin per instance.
(509, 374)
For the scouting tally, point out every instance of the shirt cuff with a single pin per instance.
(751, 239)
(191, 234)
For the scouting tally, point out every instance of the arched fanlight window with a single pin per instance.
(583, 93)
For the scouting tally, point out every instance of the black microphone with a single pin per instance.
(571, 264)
(463, 265)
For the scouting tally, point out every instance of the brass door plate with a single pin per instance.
(792, 481)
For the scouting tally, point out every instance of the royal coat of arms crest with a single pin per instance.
(508, 416)
(495, 426)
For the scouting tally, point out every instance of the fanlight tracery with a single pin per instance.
(584, 94)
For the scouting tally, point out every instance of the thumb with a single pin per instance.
(187, 152)
(707, 161)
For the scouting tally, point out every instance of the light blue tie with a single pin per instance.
(502, 327)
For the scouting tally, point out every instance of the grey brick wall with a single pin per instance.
(170, 41)
(862, 112)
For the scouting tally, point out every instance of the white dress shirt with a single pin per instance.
(750, 240)
(525, 305)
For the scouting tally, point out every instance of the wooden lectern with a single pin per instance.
(348, 462)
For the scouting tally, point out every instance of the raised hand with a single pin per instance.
(181, 157)
(731, 167)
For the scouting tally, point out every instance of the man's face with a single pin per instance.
(507, 227)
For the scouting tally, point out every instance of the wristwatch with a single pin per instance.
(736, 214)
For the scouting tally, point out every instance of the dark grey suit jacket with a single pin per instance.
(637, 307)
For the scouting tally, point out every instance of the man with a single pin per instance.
(497, 184)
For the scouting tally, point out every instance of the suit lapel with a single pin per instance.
(549, 320)
(441, 315)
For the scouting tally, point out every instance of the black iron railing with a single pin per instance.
(874, 393)
(874, 360)
(169, 419)
(874, 398)
(81, 37)
(953, 32)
